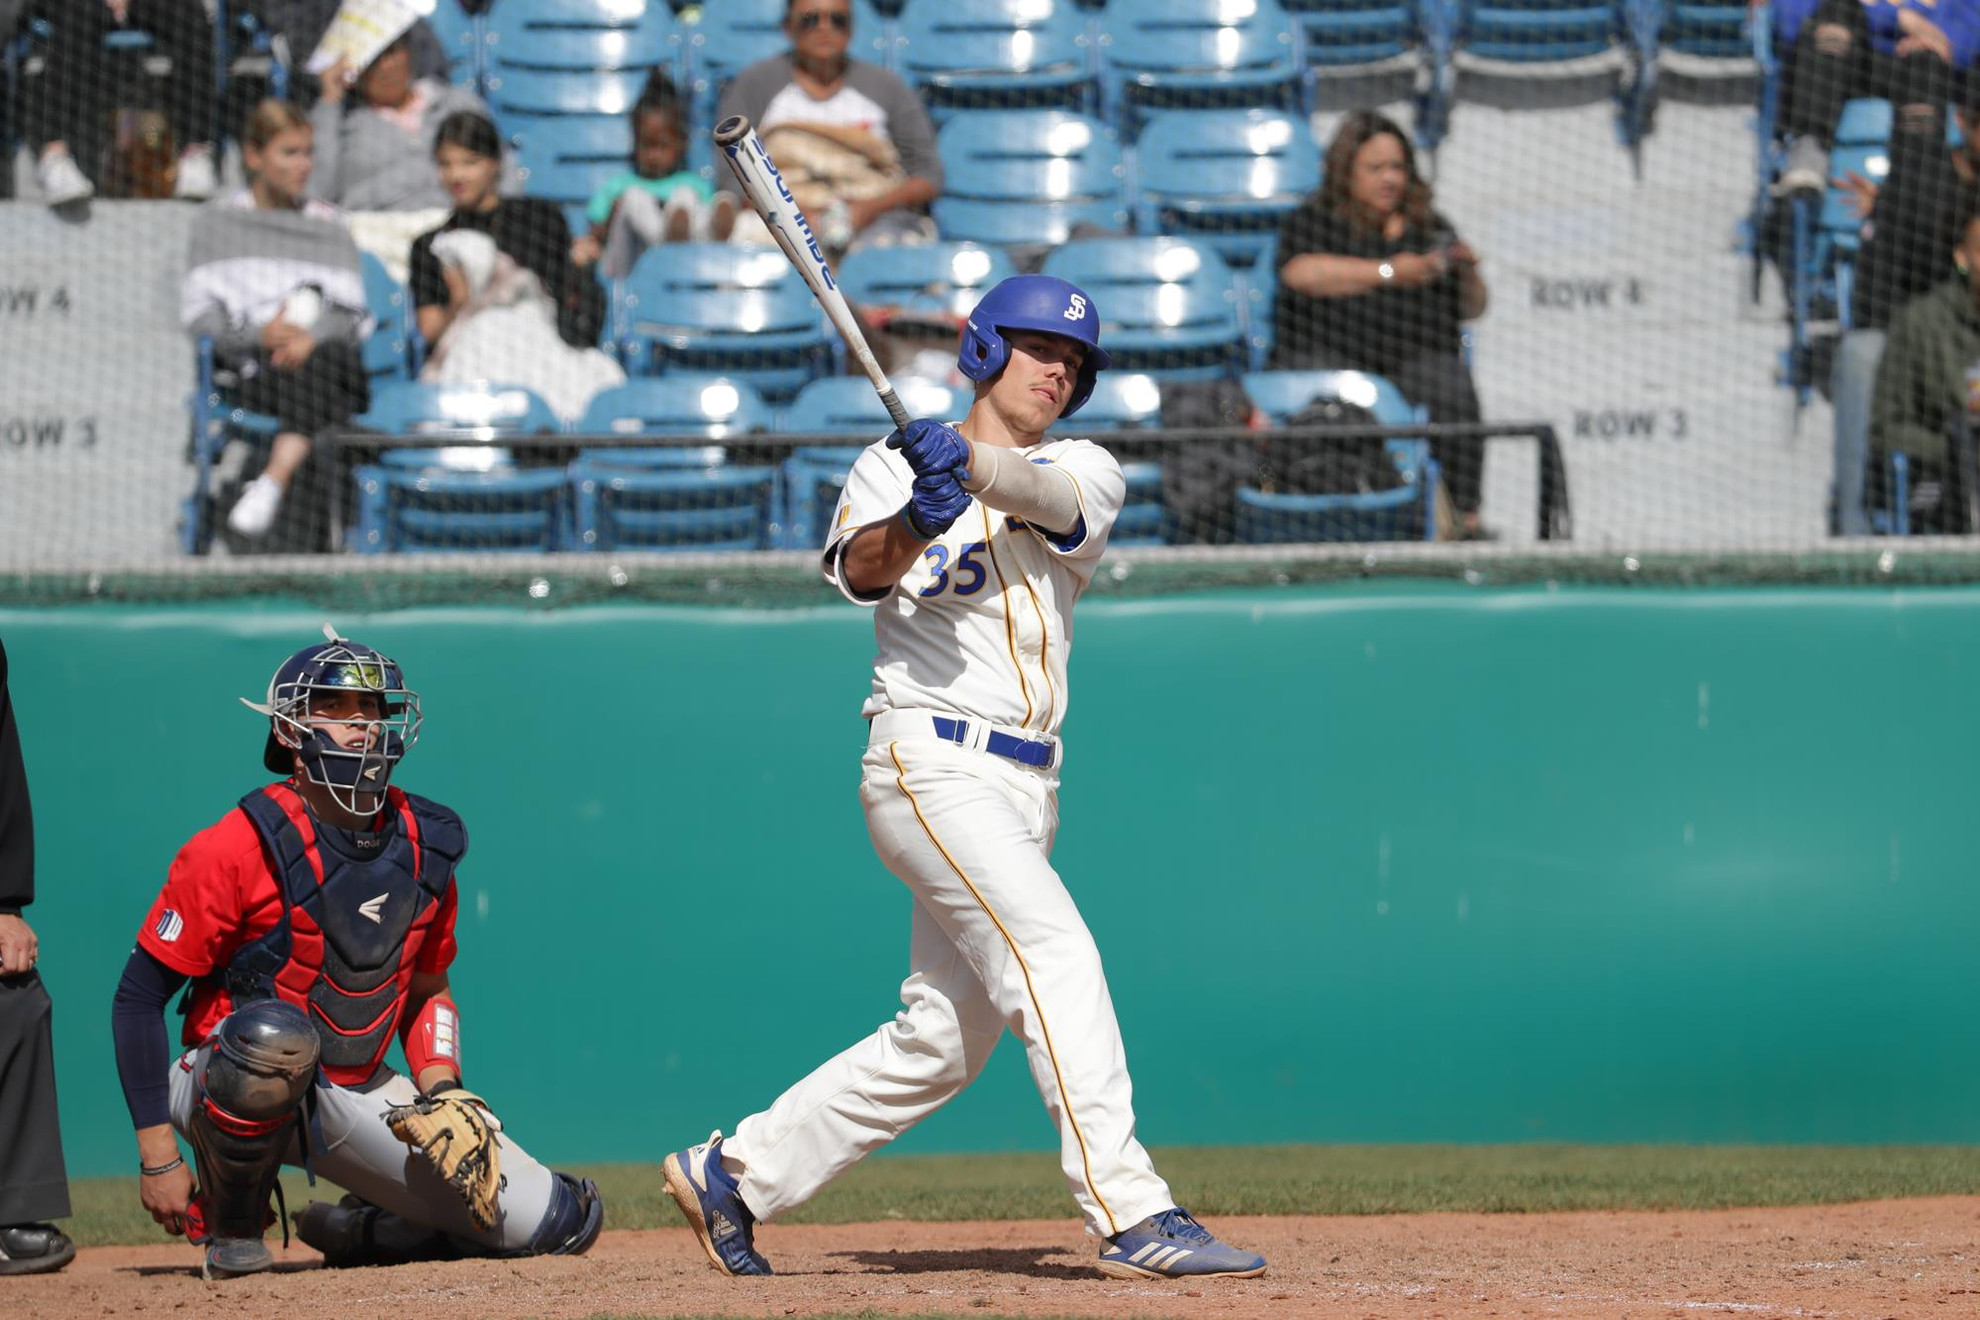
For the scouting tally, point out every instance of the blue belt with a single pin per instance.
(1024, 752)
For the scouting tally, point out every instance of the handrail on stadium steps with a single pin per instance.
(1553, 511)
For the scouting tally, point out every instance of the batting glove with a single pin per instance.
(937, 502)
(931, 448)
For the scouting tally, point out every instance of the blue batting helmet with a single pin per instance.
(338, 665)
(1032, 302)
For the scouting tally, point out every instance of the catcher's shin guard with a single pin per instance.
(574, 1220)
(252, 1078)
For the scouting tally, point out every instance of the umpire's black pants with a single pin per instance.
(34, 1184)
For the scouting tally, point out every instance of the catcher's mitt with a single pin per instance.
(455, 1131)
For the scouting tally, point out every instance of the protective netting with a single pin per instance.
(301, 300)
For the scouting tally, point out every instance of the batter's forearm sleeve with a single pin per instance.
(144, 1050)
(1009, 482)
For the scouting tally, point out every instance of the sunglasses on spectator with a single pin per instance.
(840, 19)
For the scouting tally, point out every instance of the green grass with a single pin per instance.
(1277, 1180)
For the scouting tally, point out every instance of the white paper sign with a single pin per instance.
(363, 28)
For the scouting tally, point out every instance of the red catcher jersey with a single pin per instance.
(220, 893)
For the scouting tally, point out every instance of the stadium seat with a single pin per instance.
(713, 307)
(1361, 35)
(387, 351)
(717, 508)
(847, 405)
(584, 36)
(426, 512)
(216, 420)
(521, 95)
(1027, 177)
(417, 407)
(1224, 177)
(1537, 32)
(1167, 306)
(1120, 400)
(1200, 54)
(462, 37)
(682, 404)
(1402, 514)
(1142, 520)
(997, 54)
(567, 159)
(932, 280)
(1707, 31)
(813, 477)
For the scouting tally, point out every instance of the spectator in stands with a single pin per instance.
(497, 293)
(302, 23)
(657, 200)
(275, 282)
(84, 81)
(1910, 229)
(1371, 278)
(1838, 49)
(1928, 387)
(852, 140)
(376, 130)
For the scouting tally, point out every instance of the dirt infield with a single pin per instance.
(1870, 1259)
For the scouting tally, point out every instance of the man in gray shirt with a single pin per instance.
(817, 82)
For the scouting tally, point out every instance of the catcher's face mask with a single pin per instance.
(344, 710)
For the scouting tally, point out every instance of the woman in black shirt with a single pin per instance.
(468, 153)
(1372, 279)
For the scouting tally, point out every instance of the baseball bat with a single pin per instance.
(766, 191)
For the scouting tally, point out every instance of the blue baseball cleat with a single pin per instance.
(1172, 1245)
(707, 1195)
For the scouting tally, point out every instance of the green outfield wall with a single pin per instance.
(1367, 865)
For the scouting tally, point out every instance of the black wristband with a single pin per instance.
(152, 1171)
(444, 1085)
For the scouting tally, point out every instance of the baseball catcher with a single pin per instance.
(315, 921)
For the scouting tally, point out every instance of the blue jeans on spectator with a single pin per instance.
(1851, 383)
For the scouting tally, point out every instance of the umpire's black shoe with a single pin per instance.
(34, 1249)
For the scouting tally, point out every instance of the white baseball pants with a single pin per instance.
(996, 942)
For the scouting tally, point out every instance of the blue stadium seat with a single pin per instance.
(475, 410)
(847, 405)
(813, 477)
(216, 420)
(1357, 34)
(582, 35)
(462, 37)
(1403, 514)
(1537, 32)
(932, 280)
(567, 159)
(425, 512)
(1027, 177)
(1200, 54)
(1120, 400)
(1224, 177)
(681, 404)
(1167, 306)
(718, 508)
(713, 307)
(387, 351)
(1707, 31)
(521, 95)
(1143, 519)
(998, 54)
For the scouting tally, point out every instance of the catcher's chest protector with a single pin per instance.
(351, 924)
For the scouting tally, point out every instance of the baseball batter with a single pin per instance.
(316, 921)
(972, 542)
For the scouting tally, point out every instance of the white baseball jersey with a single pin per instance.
(982, 625)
